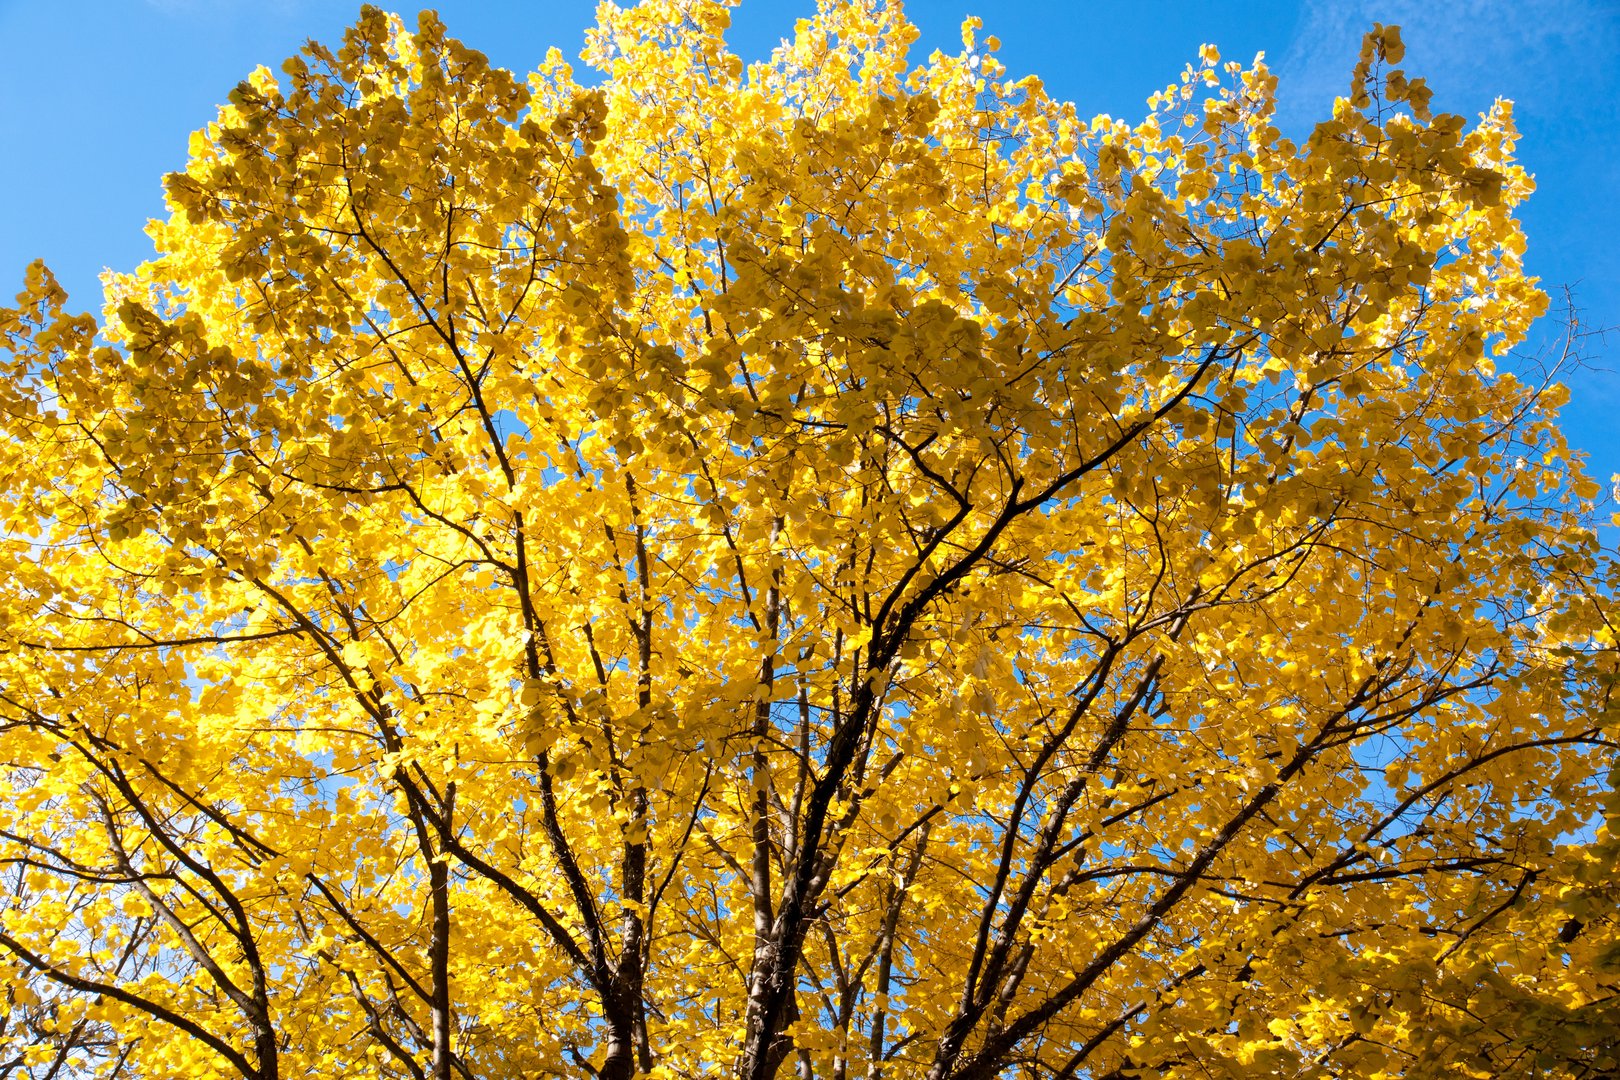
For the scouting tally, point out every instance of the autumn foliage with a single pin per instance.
(834, 567)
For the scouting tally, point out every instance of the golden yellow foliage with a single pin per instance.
(836, 566)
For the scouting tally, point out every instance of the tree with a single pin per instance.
(829, 567)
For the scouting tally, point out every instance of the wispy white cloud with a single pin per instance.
(1470, 51)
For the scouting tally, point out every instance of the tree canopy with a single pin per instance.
(835, 567)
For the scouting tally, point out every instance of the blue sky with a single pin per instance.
(97, 98)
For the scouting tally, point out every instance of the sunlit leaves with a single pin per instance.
(837, 564)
